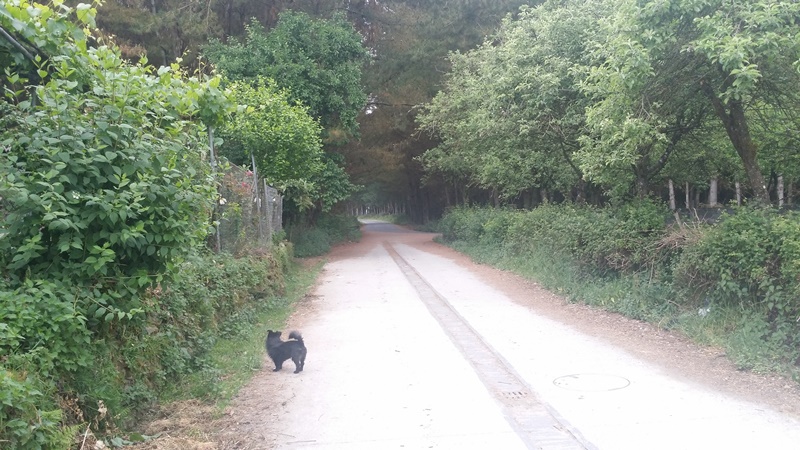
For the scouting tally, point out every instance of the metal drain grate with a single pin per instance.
(512, 395)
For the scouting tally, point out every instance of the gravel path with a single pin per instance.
(411, 345)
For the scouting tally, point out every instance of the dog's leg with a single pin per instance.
(298, 364)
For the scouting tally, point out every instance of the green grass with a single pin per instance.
(235, 359)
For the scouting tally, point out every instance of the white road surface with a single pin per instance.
(431, 357)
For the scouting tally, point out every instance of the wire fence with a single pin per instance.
(248, 213)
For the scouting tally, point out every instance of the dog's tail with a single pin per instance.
(296, 335)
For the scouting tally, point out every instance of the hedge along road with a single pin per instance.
(409, 348)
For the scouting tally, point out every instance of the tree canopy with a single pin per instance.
(318, 61)
(510, 114)
(679, 62)
(621, 87)
(570, 99)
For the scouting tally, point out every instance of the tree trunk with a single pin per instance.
(688, 202)
(527, 199)
(640, 172)
(780, 191)
(713, 191)
(580, 198)
(735, 123)
(642, 187)
(738, 193)
(672, 204)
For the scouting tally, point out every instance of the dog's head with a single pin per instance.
(273, 334)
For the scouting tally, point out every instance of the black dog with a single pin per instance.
(280, 351)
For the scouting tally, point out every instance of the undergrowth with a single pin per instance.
(176, 343)
(330, 229)
(239, 354)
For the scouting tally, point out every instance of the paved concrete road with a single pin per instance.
(409, 350)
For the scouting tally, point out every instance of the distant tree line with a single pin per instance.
(616, 99)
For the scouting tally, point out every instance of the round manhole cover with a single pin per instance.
(591, 382)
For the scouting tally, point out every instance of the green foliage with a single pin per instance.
(610, 91)
(105, 194)
(329, 229)
(340, 227)
(465, 224)
(318, 61)
(40, 327)
(310, 241)
(283, 138)
(664, 68)
(234, 359)
(750, 258)
(43, 27)
(332, 185)
(24, 425)
(104, 188)
(213, 297)
(762, 345)
(599, 240)
(114, 194)
(510, 112)
(285, 143)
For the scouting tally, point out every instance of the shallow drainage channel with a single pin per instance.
(538, 427)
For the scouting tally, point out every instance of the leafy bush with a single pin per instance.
(763, 345)
(24, 424)
(599, 240)
(749, 258)
(340, 227)
(464, 223)
(117, 198)
(104, 196)
(329, 230)
(40, 325)
(311, 242)
(213, 295)
(496, 228)
(749, 261)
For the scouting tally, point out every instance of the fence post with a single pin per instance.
(217, 243)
